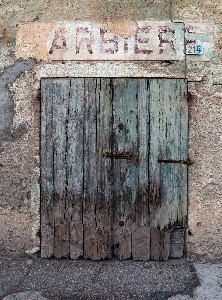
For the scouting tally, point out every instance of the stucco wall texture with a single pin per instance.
(20, 113)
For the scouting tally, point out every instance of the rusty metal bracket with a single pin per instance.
(117, 155)
(172, 161)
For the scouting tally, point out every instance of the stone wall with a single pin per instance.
(20, 110)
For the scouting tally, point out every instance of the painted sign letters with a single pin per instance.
(86, 41)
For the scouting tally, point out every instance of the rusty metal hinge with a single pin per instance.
(173, 161)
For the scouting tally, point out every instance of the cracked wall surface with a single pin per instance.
(6, 101)
(20, 114)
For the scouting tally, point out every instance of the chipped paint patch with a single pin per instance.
(31, 40)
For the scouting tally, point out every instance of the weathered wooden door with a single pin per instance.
(113, 166)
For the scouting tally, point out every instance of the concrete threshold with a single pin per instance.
(34, 278)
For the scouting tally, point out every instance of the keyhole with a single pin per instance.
(121, 223)
(121, 126)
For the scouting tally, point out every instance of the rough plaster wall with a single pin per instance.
(6, 101)
(19, 181)
(205, 176)
(19, 206)
(16, 12)
(206, 11)
(204, 239)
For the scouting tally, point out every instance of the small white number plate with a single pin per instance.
(194, 49)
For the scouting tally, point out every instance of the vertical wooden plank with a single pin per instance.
(178, 144)
(177, 240)
(104, 167)
(141, 237)
(75, 146)
(47, 220)
(173, 121)
(125, 248)
(125, 130)
(168, 190)
(61, 240)
(97, 169)
(91, 242)
(183, 171)
(104, 242)
(160, 244)
(141, 244)
(90, 169)
(176, 250)
(60, 110)
(76, 239)
(173, 179)
(143, 150)
(154, 167)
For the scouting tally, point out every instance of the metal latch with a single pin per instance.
(173, 161)
(117, 155)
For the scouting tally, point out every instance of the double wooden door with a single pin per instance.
(113, 166)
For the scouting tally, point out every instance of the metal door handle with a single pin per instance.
(117, 155)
